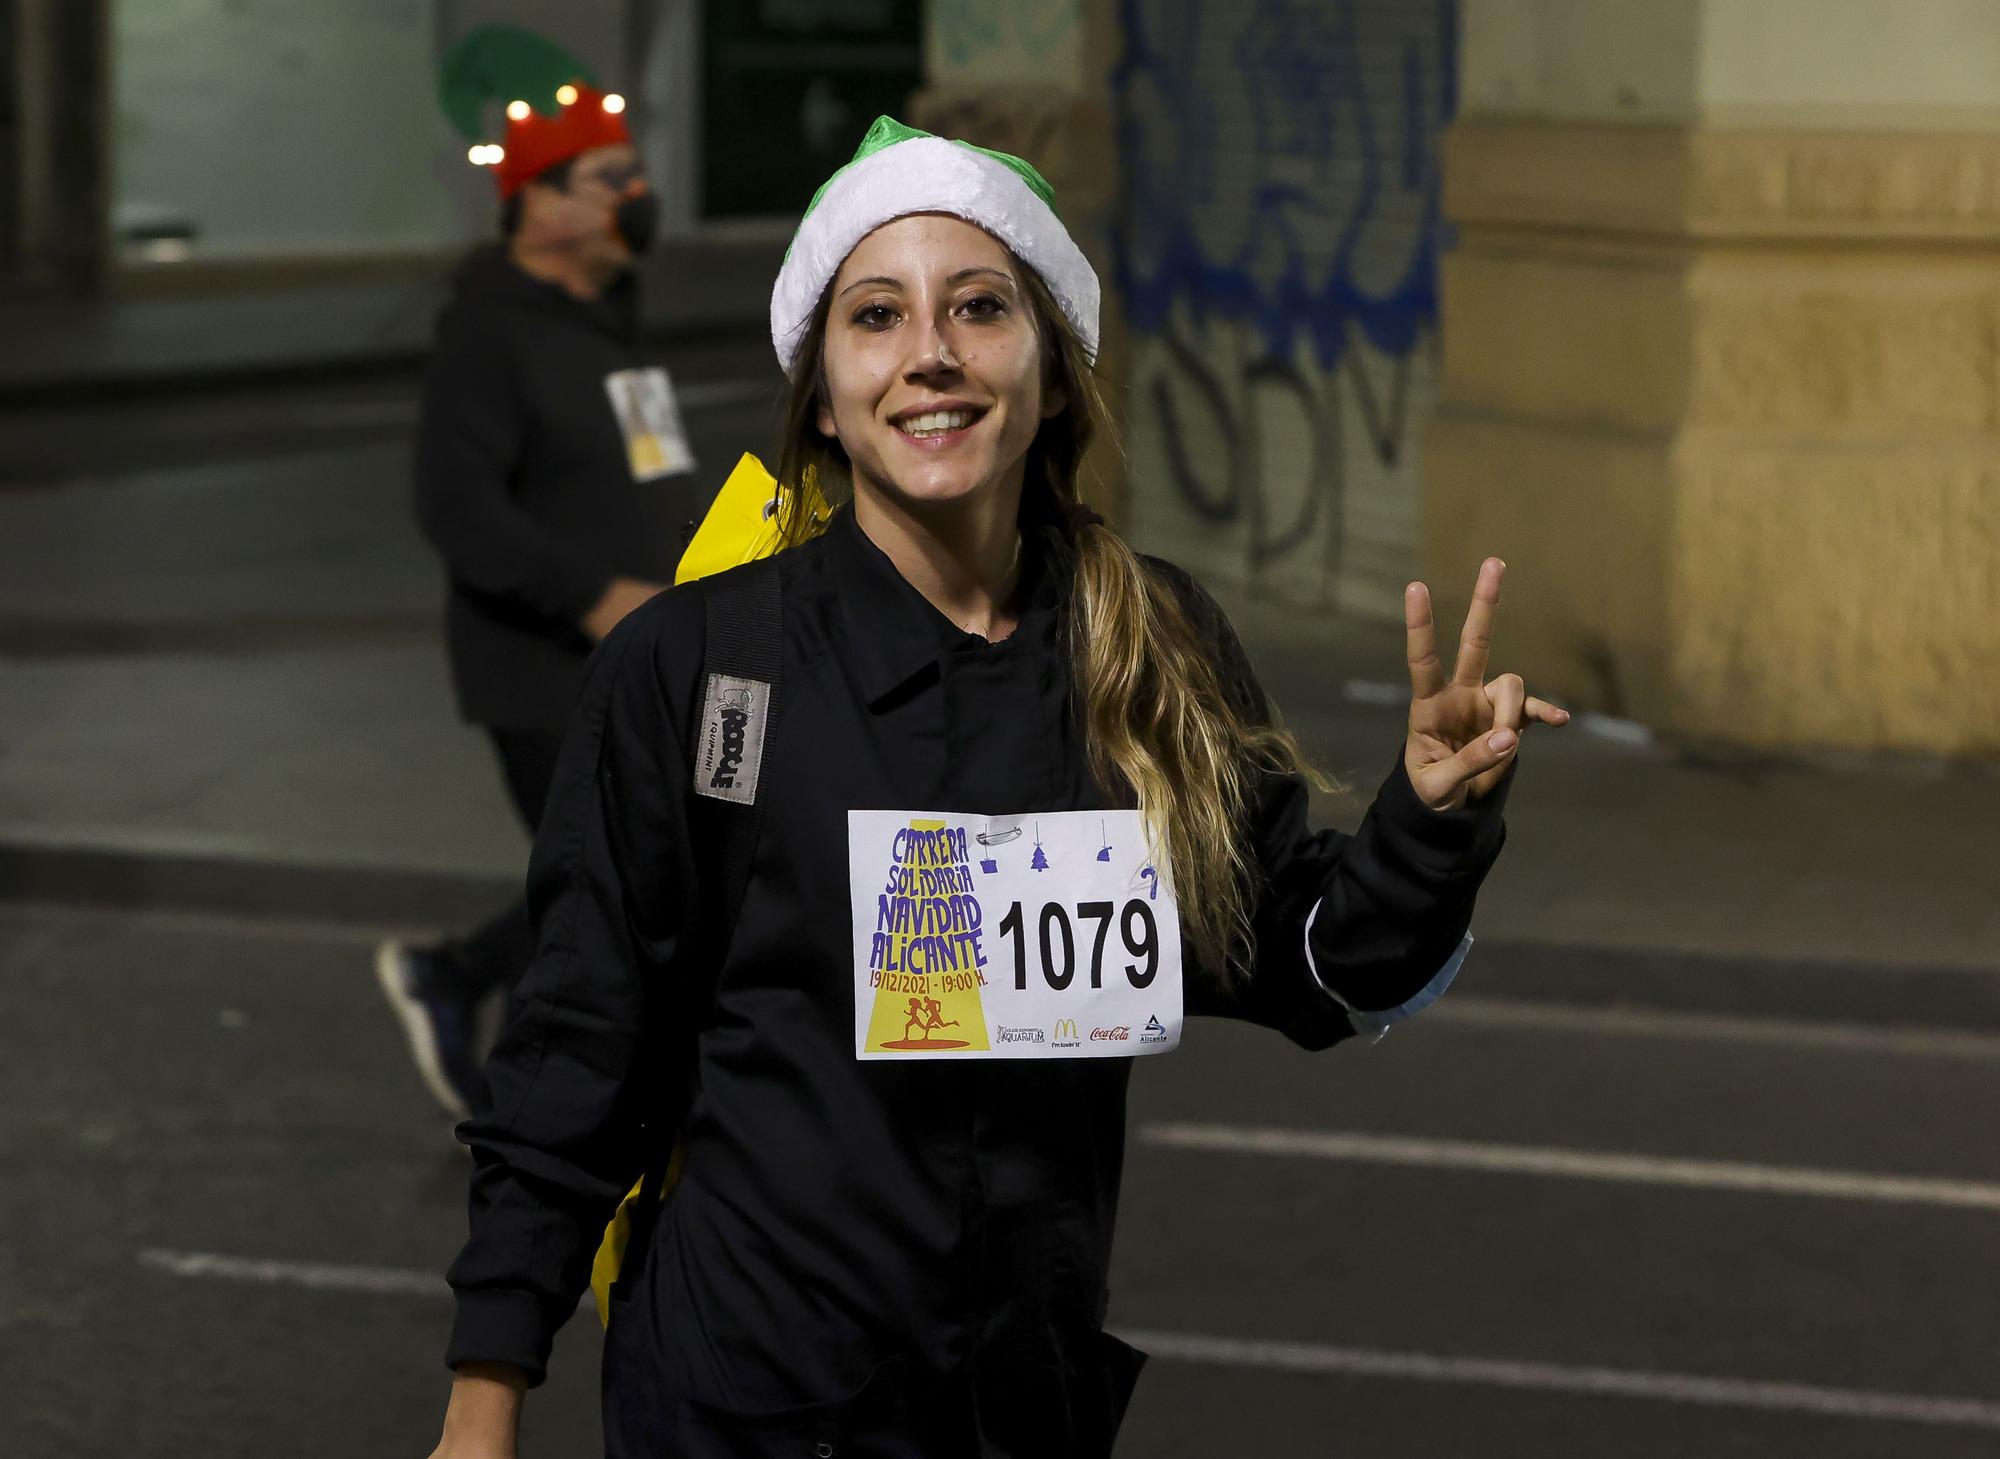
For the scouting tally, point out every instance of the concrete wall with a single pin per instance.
(1019, 43)
(300, 125)
(1722, 372)
(1278, 256)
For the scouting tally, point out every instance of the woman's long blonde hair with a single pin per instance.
(1158, 721)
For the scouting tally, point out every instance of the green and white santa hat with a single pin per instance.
(898, 171)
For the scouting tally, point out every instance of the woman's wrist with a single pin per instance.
(485, 1401)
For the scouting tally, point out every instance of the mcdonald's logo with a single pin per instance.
(1066, 1034)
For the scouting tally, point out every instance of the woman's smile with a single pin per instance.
(937, 425)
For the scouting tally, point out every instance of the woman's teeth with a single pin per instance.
(936, 423)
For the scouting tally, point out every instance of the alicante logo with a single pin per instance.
(1154, 1032)
(735, 726)
(1066, 1035)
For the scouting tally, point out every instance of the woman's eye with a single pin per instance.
(875, 316)
(983, 306)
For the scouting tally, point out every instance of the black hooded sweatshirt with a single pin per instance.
(524, 486)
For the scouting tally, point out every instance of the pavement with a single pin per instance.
(1686, 1164)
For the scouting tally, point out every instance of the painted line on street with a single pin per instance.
(1290, 1357)
(318, 1275)
(1567, 1164)
(1531, 1016)
(1298, 1357)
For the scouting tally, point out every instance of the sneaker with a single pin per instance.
(441, 1025)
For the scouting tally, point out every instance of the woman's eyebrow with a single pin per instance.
(872, 279)
(966, 273)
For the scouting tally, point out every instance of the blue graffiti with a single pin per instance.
(1282, 230)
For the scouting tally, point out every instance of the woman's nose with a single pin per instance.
(931, 349)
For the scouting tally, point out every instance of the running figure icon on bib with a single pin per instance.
(964, 951)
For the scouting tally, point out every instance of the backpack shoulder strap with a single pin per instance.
(741, 651)
(742, 614)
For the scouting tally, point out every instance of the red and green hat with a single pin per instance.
(898, 170)
(554, 110)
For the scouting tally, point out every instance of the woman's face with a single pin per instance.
(934, 363)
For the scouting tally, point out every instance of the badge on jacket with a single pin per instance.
(650, 418)
(1042, 936)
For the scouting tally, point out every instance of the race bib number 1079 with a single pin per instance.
(1015, 937)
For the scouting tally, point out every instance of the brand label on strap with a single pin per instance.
(730, 752)
(1011, 937)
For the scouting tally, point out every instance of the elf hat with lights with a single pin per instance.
(554, 109)
(898, 171)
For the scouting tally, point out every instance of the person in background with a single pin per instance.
(546, 468)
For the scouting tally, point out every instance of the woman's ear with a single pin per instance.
(1055, 400)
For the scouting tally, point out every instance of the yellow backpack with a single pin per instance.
(741, 525)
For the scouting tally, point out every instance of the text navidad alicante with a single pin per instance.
(928, 923)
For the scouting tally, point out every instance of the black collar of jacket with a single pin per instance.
(894, 633)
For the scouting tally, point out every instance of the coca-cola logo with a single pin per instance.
(1111, 1035)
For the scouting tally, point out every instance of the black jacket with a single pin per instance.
(524, 486)
(893, 1258)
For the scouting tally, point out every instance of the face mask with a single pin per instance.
(636, 221)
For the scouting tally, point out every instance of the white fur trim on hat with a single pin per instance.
(928, 175)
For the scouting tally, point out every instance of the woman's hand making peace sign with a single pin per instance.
(1464, 732)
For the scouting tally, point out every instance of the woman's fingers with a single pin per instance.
(1442, 783)
(1477, 640)
(1515, 708)
(1543, 712)
(1420, 635)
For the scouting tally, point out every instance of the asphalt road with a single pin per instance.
(227, 1201)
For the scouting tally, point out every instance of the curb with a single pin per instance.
(122, 880)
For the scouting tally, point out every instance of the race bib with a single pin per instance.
(650, 418)
(1011, 937)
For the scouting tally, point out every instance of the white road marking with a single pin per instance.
(1298, 1357)
(319, 1275)
(1370, 691)
(1499, 1159)
(1529, 1015)
(1293, 1357)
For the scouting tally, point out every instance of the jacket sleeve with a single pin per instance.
(611, 894)
(1353, 932)
(469, 444)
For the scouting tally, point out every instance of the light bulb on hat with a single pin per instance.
(566, 95)
(614, 103)
(517, 111)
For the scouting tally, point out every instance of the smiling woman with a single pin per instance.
(872, 1249)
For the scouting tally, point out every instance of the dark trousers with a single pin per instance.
(495, 954)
